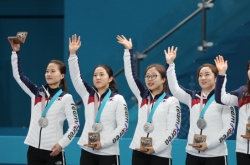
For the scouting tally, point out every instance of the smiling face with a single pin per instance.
(206, 79)
(53, 75)
(154, 81)
(101, 78)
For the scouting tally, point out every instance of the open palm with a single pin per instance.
(170, 55)
(74, 44)
(221, 64)
(127, 43)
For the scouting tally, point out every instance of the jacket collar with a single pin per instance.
(206, 97)
(104, 94)
(156, 96)
(49, 91)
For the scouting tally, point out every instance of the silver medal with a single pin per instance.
(97, 127)
(201, 123)
(248, 120)
(148, 127)
(43, 122)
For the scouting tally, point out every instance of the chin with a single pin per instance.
(50, 83)
(151, 89)
(98, 86)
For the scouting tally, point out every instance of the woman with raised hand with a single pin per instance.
(210, 123)
(159, 114)
(241, 98)
(51, 105)
(106, 113)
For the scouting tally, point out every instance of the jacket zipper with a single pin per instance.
(40, 138)
(41, 132)
(247, 146)
(150, 111)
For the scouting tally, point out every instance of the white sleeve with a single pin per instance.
(29, 87)
(228, 119)
(130, 73)
(173, 126)
(81, 87)
(121, 121)
(221, 96)
(178, 92)
(73, 121)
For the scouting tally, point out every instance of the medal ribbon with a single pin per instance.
(51, 102)
(43, 102)
(98, 116)
(155, 106)
(211, 99)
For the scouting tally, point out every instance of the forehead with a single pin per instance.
(52, 66)
(152, 70)
(99, 70)
(205, 70)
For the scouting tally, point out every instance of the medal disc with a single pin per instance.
(43, 122)
(148, 127)
(201, 123)
(97, 127)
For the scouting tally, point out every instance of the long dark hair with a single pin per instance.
(161, 69)
(247, 89)
(62, 69)
(247, 92)
(112, 84)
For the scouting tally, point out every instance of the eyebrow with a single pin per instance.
(151, 73)
(98, 72)
(206, 72)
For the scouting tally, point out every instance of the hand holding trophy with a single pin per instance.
(19, 38)
(247, 135)
(198, 138)
(95, 135)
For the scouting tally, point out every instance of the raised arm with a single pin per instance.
(129, 67)
(81, 87)
(29, 87)
(182, 94)
(220, 89)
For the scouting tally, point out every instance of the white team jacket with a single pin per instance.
(220, 118)
(235, 98)
(114, 117)
(167, 116)
(63, 108)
